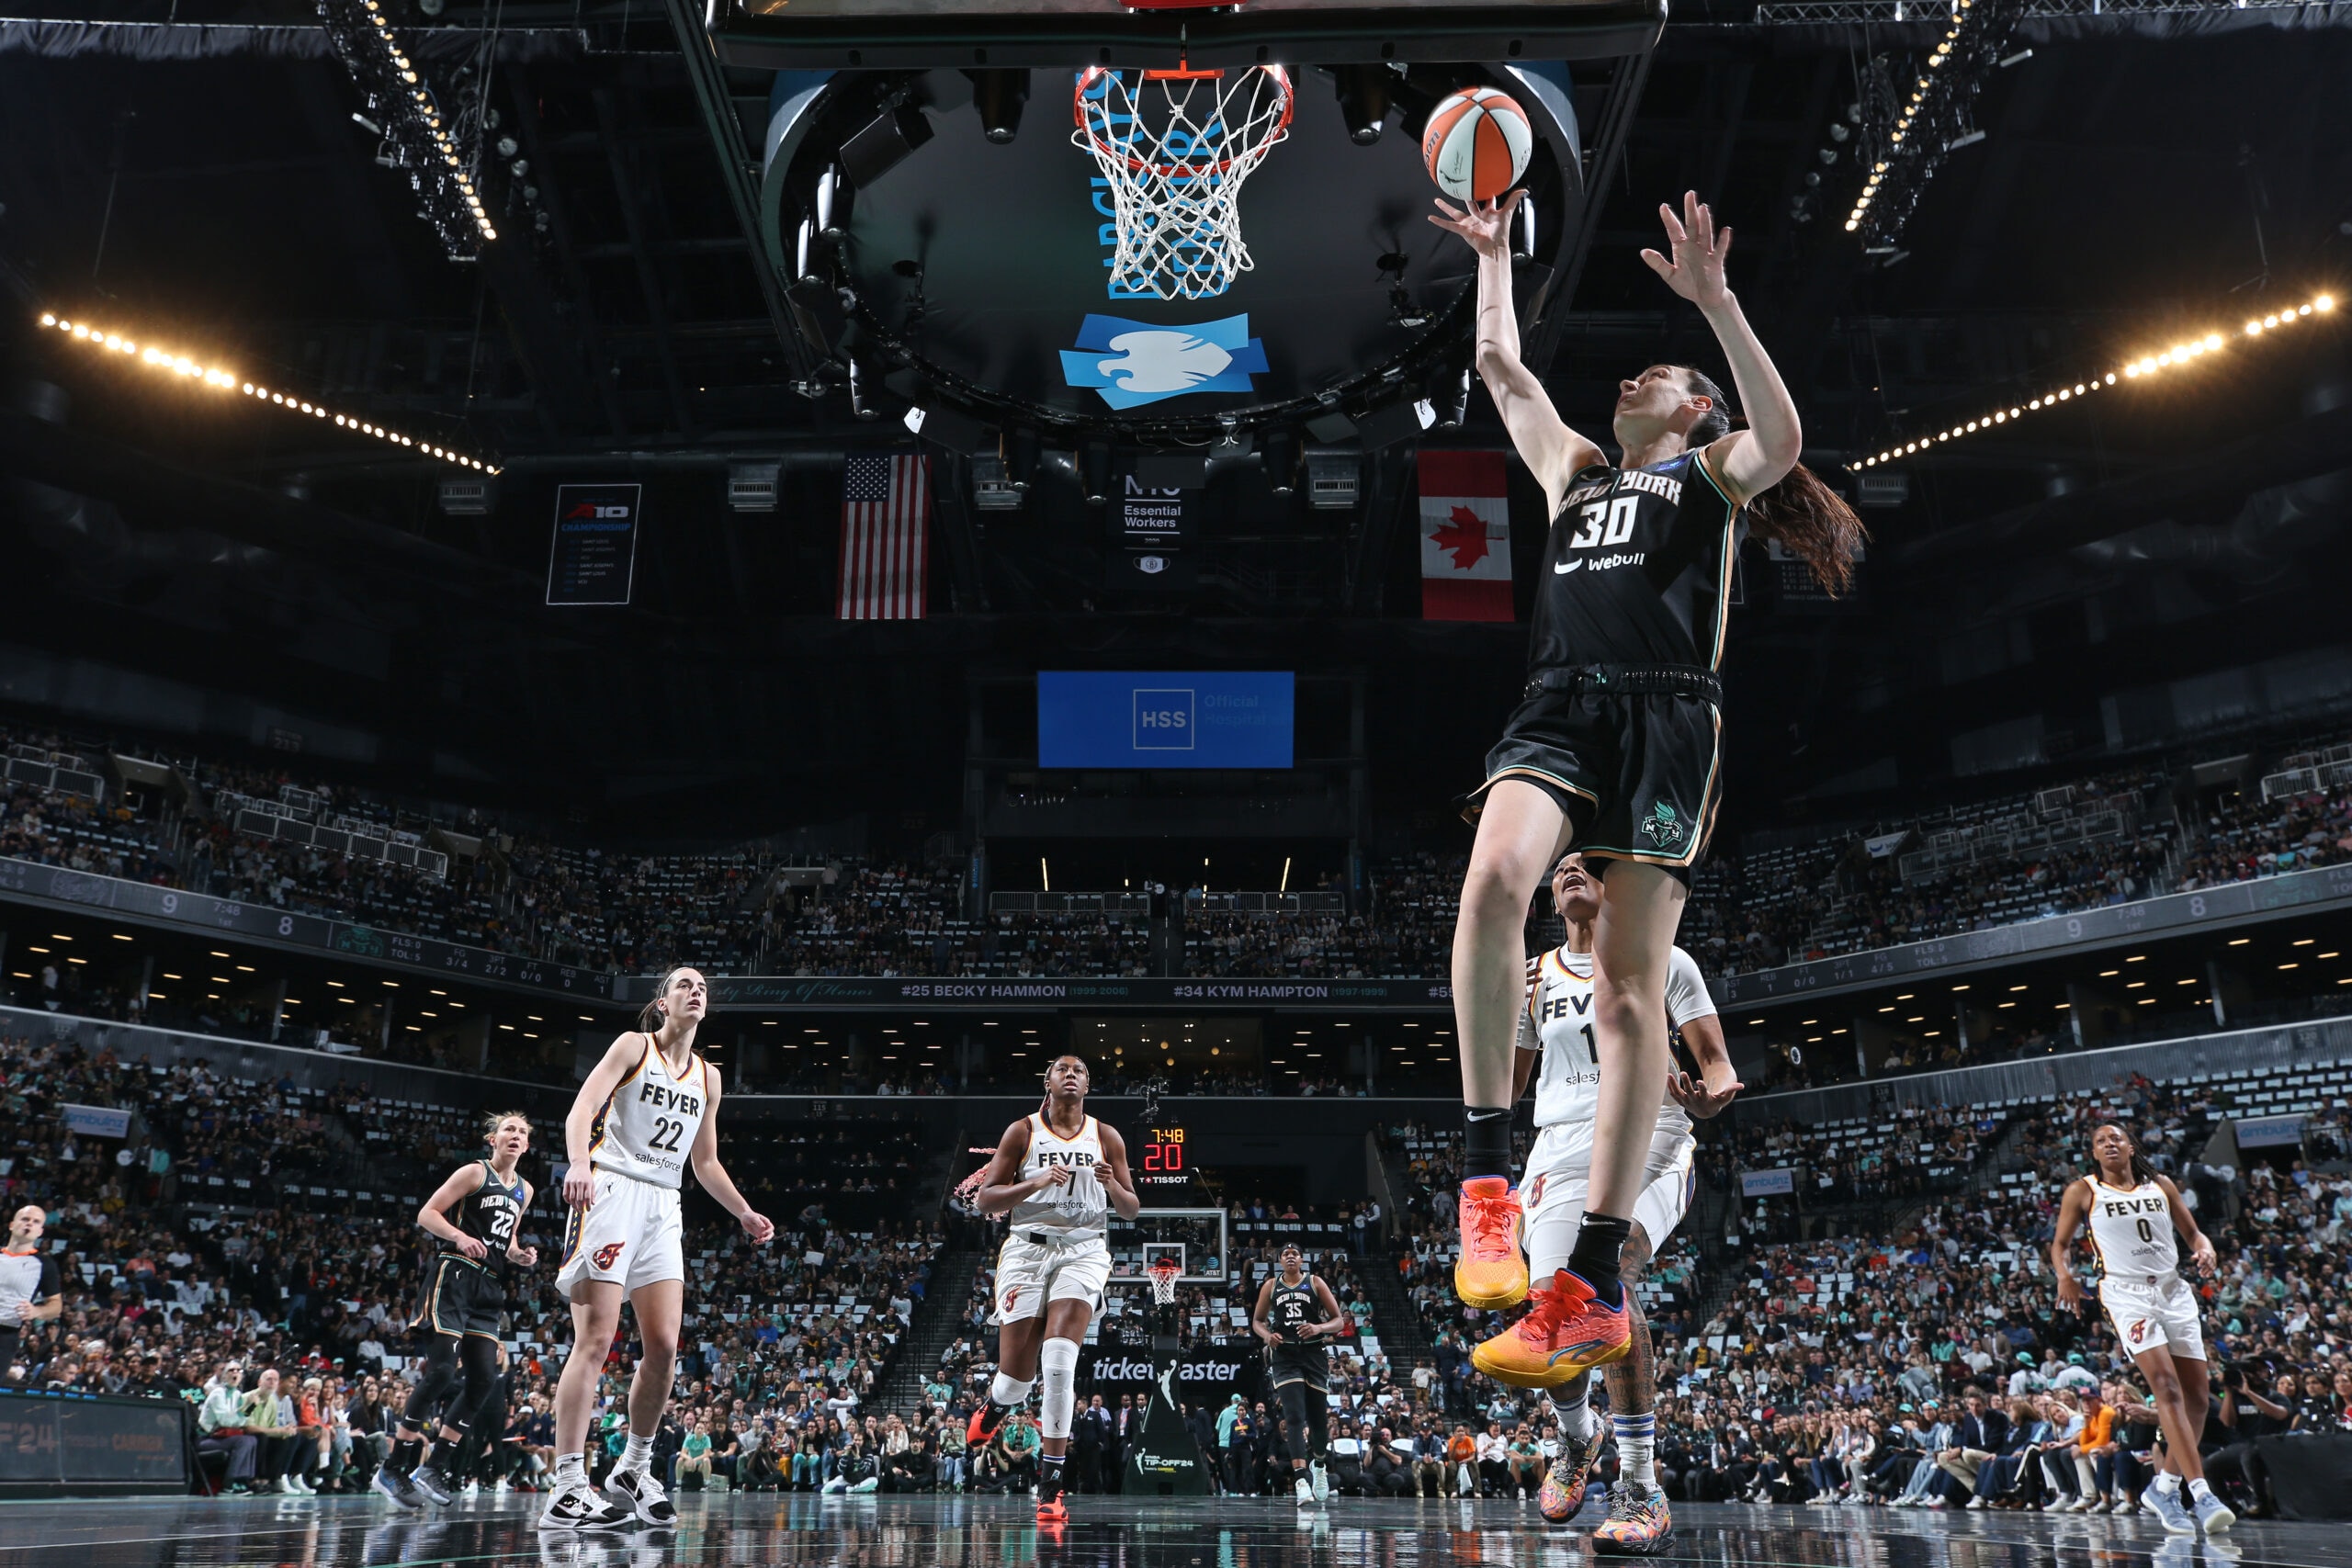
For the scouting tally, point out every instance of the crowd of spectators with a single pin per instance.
(2102, 840)
(1900, 1342)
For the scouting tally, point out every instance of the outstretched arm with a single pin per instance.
(1746, 461)
(2070, 1213)
(713, 1175)
(1551, 452)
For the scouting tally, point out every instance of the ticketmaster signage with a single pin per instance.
(2228, 904)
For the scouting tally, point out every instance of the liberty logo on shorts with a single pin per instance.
(1662, 826)
(607, 1253)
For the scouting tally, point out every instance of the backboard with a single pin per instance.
(950, 238)
(1194, 1237)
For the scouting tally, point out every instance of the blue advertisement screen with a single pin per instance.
(1163, 718)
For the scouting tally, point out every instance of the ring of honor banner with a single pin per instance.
(1465, 536)
(593, 558)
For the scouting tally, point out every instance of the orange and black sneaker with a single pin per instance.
(1051, 1508)
(980, 1430)
(1491, 1272)
(1566, 1332)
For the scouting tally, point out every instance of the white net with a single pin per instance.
(1175, 147)
(1163, 1281)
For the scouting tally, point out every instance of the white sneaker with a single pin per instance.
(1937, 1503)
(1320, 1480)
(2213, 1515)
(1303, 1490)
(637, 1491)
(575, 1507)
(1976, 1503)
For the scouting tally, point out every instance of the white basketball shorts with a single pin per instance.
(2150, 1313)
(1031, 1273)
(1559, 1170)
(629, 1235)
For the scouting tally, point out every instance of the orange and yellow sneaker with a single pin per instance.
(1562, 1493)
(1567, 1331)
(1639, 1524)
(1491, 1272)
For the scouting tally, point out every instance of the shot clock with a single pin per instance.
(1165, 1166)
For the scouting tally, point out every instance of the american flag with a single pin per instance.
(886, 528)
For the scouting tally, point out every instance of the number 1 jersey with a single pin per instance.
(1558, 1021)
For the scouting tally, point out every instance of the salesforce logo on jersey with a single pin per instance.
(1134, 363)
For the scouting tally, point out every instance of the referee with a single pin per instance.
(27, 1282)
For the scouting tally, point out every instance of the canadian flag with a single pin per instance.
(1465, 537)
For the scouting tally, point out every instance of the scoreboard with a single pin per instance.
(1163, 1166)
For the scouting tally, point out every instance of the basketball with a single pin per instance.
(1477, 144)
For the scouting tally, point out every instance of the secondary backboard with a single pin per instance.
(1194, 1237)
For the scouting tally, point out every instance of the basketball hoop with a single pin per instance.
(1174, 147)
(1163, 1272)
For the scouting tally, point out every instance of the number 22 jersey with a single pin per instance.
(647, 1126)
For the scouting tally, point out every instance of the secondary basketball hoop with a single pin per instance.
(1163, 1272)
(1175, 148)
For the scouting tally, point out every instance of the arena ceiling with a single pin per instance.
(196, 168)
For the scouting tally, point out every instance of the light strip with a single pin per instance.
(221, 380)
(1910, 112)
(2189, 353)
(406, 74)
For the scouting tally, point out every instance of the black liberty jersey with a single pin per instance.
(490, 1215)
(1637, 569)
(1290, 1306)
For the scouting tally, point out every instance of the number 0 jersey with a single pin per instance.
(1077, 1208)
(1637, 569)
(648, 1125)
(2132, 1231)
(1558, 1021)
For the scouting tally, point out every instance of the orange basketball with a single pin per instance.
(1477, 144)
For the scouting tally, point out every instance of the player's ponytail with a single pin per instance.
(1801, 513)
(654, 1015)
(2142, 1171)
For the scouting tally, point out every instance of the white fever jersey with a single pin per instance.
(647, 1126)
(1558, 1021)
(1078, 1207)
(2132, 1231)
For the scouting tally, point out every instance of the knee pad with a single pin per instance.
(1011, 1393)
(1057, 1370)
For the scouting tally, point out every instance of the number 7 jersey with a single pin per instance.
(647, 1126)
(1558, 1021)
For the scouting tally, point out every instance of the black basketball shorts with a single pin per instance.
(1288, 1364)
(1639, 776)
(464, 1298)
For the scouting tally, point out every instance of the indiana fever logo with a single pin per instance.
(2137, 1331)
(607, 1253)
